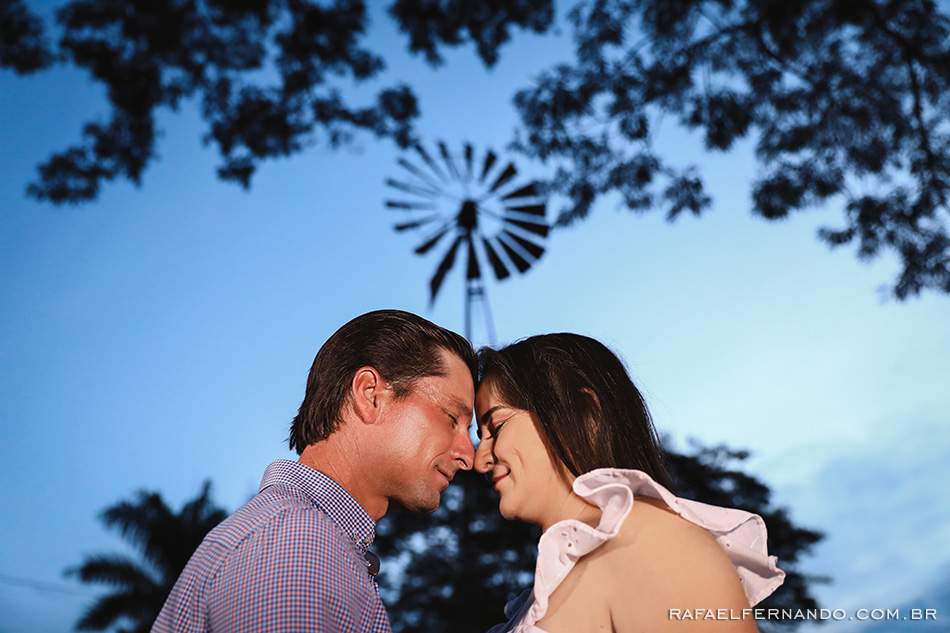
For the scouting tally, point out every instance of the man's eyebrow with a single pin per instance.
(459, 405)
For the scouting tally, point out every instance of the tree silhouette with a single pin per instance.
(165, 539)
(709, 474)
(846, 100)
(266, 72)
(455, 569)
(22, 45)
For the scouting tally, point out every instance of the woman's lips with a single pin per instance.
(496, 480)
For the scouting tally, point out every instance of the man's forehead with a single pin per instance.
(451, 388)
(441, 390)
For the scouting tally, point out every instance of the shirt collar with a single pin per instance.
(327, 495)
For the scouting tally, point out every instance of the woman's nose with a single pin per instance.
(483, 457)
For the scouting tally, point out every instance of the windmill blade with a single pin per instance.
(489, 161)
(527, 191)
(474, 270)
(501, 271)
(535, 250)
(443, 269)
(469, 154)
(490, 192)
(428, 160)
(416, 223)
(531, 227)
(520, 262)
(418, 173)
(426, 246)
(505, 176)
(534, 209)
(410, 206)
(447, 158)
(413, 189)
(530, 209)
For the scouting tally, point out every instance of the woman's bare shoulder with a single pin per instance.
(651, 520)
(659, 562)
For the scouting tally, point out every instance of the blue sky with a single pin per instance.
(162, 335)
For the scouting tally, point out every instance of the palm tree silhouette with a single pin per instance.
(165, 539)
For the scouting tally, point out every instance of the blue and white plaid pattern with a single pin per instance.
(290, 560)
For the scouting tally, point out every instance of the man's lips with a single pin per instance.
(495, 480)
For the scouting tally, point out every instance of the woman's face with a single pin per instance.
(513, 457)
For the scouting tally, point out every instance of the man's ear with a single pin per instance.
(368, 391)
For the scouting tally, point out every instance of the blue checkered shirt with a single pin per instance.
(292, 559)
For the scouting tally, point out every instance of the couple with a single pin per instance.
(566, 441)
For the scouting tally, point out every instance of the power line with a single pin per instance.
(41, 585)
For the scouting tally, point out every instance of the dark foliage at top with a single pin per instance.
(464, 562)
(845, 99)
(265, 71)
(432, 23)
(166, 540)
(22, 45)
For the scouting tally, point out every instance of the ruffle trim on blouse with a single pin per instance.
(741, 534)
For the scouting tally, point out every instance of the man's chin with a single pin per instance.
(420, 505)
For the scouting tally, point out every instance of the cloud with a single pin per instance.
(882, 503)
(926, 612)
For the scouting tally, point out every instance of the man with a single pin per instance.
(384, 420)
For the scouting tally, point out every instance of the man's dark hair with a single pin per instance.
(588, 411)
(401, 346)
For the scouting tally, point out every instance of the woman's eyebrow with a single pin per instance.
(486, 417)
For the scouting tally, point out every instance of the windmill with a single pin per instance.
(479, 207)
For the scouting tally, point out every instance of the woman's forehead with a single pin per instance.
(487, 393)
(485, 389)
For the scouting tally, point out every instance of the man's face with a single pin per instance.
(428, 438)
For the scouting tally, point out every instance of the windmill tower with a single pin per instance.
(469, 205)
(480, 208)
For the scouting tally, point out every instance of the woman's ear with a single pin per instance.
(592, 395)
(596, 411)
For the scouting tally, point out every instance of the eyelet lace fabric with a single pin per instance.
(741, 534)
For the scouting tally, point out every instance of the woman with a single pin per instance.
(567, 442)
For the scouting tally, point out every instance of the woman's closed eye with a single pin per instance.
(490, 431)
(493, 433)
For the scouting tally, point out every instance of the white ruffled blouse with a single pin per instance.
(741, 534)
